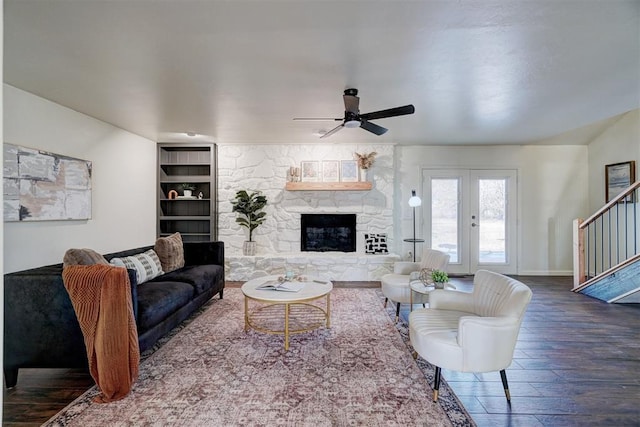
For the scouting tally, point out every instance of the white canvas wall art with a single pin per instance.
(43, 186)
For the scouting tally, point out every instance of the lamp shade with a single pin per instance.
(414, 201)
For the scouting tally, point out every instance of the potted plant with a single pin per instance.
(440, 278)
(249, 206)
(188, 189)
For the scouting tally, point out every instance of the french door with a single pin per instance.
(471, 215)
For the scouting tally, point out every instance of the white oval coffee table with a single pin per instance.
(286, 313)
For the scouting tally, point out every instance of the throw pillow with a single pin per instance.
(170, 252)
(83, 257)
(147, 265)
(375, 243)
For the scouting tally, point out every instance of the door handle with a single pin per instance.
(473, 224)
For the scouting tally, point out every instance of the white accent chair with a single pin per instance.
(471, 331)
(395, 286)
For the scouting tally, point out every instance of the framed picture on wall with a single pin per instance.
(330, 171)
(310, 171)
(348, 171)
(619, 176)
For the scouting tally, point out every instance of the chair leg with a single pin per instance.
(503, 376)
(385, 302)
(397, 312)
(436, 384)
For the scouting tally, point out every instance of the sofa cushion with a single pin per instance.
(158, 300)
(170, 251)
(201, 277)
(83, 257)
(146, 264)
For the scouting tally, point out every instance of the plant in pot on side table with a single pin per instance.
(249, 206)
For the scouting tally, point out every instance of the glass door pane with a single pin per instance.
(445, 216)
(492, 215)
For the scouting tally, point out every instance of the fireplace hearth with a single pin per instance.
(328, 233)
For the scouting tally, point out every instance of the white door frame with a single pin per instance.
(467, 233)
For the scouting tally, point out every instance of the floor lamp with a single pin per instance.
(414, 202)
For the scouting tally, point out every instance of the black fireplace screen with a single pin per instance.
(328, 232)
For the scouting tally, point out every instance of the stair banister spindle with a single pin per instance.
(602, 244)
(609, 237)
(588, 249)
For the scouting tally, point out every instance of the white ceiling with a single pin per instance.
(478, 72)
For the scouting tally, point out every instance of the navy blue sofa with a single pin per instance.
(40, 325)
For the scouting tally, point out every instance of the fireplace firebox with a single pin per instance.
(328, 233)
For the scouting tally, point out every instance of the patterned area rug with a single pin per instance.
(209, 372)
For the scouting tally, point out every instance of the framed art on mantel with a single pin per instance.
(618, 177)
(330, 171)
(348, 171)
(310, 171)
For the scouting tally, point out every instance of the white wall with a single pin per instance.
(619, 143)
(124, 182)
(551, 190)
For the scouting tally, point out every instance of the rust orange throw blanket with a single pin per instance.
(101, 298)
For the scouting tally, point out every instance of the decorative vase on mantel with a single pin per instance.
(365, 175)
(249, 248)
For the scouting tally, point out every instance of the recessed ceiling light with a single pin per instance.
(191, 134)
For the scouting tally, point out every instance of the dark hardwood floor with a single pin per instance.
(577, 363)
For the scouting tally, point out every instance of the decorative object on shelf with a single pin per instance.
(173, 194)
(310, 171)
(365, 161)
(188, 189)
(330, 171)
(439, 278)
(293, 174)
(250, 207)
(200, 195)
(414, 202)
(348, 171)
(375, 243)
(618, 177)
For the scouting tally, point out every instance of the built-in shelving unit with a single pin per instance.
(328, 186)
(194, 217)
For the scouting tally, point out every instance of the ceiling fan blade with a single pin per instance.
(332, 131)
(391, 112)
(351, 103)
(372, 127)
(316, 119)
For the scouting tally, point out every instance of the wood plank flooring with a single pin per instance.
(577, 363)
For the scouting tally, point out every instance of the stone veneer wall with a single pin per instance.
(264, 168)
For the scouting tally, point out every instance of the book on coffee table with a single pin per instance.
(274, 285)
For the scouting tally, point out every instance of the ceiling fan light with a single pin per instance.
(352, 123)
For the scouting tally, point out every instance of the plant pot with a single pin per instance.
(364, 175)
(187, 193)
(249, 248)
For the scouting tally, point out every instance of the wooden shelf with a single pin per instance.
(328, 186)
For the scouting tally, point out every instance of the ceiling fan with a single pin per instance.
(352, 117)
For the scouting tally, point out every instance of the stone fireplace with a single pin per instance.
(328, 232)
(280, 243)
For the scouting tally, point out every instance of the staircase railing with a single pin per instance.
(607, 239)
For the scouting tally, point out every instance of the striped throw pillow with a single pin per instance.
(147, 265)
